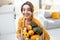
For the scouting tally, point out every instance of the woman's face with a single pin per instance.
(26, 11)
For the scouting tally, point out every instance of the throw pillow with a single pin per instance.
(55, 15)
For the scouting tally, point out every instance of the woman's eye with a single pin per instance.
(26, 10)
(23, 9)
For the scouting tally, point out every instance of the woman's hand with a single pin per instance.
(42, 37)
(20, 38)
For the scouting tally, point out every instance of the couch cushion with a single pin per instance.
(53, 22)
(49, 23)
(47, 14)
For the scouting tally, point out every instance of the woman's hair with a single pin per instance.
(30, 4)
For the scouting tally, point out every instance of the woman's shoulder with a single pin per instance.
(20, 18)
(35, 20)
(38, 22)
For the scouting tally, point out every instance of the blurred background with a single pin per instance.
(46, 11)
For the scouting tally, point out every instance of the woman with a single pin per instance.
(27, 11)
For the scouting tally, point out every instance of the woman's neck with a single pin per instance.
(28, 20)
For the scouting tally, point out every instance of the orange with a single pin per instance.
(29, 27)
(34, 37)
(31, 32)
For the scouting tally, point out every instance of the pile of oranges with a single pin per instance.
(32, 31)
(29, 33)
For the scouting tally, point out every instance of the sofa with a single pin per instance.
(49, 22)
(45, 17)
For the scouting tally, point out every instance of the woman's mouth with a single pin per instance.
(27, 15)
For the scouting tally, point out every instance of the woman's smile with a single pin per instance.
(26, 15)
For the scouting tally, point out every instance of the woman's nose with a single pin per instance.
(26, 11)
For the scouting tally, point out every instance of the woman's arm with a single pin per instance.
(20, 38)
(46, 35)
(41, 37)
(19, 31)
(19, 34)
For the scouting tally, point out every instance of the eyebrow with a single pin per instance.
(27, 8)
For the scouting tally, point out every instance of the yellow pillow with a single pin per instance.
(55, 15)
(59, 14)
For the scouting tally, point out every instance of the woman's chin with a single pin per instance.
(26, 17)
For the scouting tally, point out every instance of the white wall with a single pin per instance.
(7, 21)
(55, 4)
(5, 2)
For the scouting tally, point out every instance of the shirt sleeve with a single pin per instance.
(18, 32)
